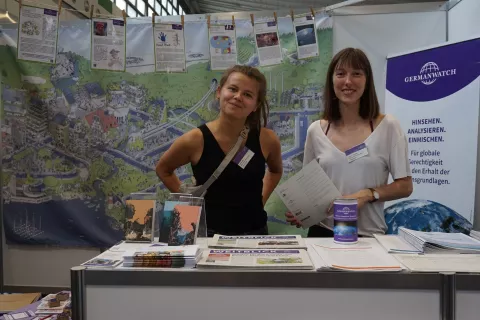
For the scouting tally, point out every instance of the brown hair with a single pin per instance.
(357, 59)
(259, 117)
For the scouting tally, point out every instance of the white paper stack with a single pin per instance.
(258, 242)
(395, 244)
(163, 257)
(286, 259)
(364, 256)
(439, 242)
(475, 234)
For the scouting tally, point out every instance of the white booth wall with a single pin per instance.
(464, 20)
(464, 23)
(384, 29)
(378, 30)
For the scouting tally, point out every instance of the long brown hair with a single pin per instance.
(259, 117)
(356, 59)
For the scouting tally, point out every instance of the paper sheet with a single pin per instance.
(308, 194)
(37, 34)
(169, 47)
(108, 44)
(360, 257)
(441, 262)
(223, 46)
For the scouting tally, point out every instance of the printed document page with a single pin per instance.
(308, 194)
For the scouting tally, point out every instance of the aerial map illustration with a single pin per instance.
(77, 142)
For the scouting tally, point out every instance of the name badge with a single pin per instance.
(356, 152)
(243, 157)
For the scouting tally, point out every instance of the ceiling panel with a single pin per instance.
(215, 6)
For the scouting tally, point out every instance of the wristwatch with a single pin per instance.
(375, 194)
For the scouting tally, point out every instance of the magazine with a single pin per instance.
(296, 259)
(180, 223)
(263, 242)
(140, 216)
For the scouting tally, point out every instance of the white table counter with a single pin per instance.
(233, 294)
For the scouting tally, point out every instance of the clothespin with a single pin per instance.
(208, 22)
(251, 18)
(291, 14)
(124, 17)
(183, 20)
(313, 12)
(92, 7)
(60, 2)
(275, 16)
(233, 20)
(153, 18)
(19, 4)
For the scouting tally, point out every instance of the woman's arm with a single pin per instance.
(400, 188)
(180, 153)
(269, 141)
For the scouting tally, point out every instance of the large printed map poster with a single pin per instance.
(76, 142)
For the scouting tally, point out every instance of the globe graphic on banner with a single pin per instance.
(429, 67)
(424, 215)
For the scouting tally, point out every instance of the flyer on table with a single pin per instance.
(435, 95)
(268, 43)
(37, 34)
(223, 46)
(169, 47)
(306, 35)
(108, 44)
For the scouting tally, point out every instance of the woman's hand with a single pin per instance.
(363, 197)
(292, 220)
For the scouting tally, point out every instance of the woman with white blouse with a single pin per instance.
(352, 122)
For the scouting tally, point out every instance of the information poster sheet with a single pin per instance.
(108, 44)
(435, 96)
(37, 34)
(223, 46)
(267, 42)
(169, 47)
(306, 35)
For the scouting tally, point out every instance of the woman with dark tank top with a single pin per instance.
(234, 203)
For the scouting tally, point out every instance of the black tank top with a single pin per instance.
(233, 203)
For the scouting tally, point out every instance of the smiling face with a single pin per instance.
(238, 96)
(349, 84)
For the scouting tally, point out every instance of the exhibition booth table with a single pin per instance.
(218, 294)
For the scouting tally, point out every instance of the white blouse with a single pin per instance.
(387, 154)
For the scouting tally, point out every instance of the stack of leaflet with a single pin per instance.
(366, 255)
(284, 259)
(162, 257)
(439, 242)
(395, 244)
(287, 252)
(260, 242)
(475, 234)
